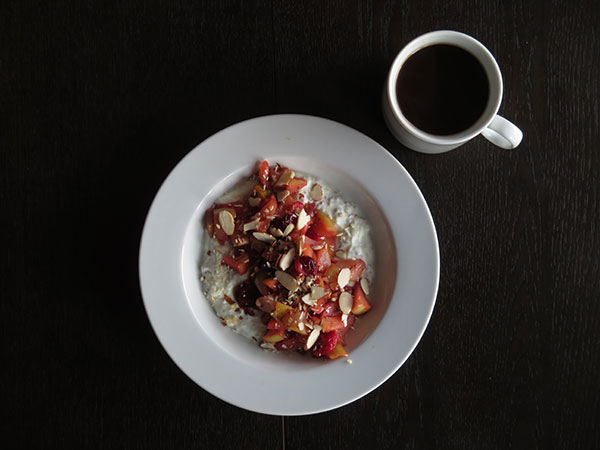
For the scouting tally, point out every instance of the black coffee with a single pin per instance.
(442, 89)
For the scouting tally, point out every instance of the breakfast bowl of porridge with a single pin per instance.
(284, 253)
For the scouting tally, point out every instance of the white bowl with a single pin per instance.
(403, 292)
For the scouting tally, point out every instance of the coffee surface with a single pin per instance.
(442, 89)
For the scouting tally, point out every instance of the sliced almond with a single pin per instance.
(285, 178)
(343, 277)
(254, 201)
(318, 247)
(303, 219)
(251, 225)
(263, 237)
(301, 326)
(316, 292)
(346, 301)
(316, 192)
(288, 229)
(286, 280)
(313, 336)
(282, 195)
(286, 260)
(226, 221)
(276, 232)
(364, 284)
(306, 299)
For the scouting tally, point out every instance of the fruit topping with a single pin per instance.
(287, 250)
(325, 343)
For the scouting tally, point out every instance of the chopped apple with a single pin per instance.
(322, 226)
(323, 259)
(271, 283)
(307, 250)
(273, 336)
(356, 266)
(292, 321)
(361, 304)
(268, 208)
(295, 185)
(260, 191)
(274, 324)
(331, 323)
(319, 305)
(239, 263)
(280, 310)
(331, 275)
(331, 244)
(337, 352)
(312, 242)
(263, 172)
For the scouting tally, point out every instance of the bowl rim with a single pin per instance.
(175, 327)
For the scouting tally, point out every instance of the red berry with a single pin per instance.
(305, 265)
(246, 294)
(283, 222)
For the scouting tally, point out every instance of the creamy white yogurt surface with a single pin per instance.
(217, 280)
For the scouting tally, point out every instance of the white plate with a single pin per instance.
(403, 293)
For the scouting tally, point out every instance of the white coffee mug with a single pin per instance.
(493, 127)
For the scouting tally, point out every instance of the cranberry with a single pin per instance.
(325, 343)
(246, 294)
(305, 265)
(283, 222)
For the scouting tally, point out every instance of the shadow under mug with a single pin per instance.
(490, 125)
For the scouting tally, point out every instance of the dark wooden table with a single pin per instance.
(99, 100)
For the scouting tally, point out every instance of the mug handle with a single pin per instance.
(503, 133)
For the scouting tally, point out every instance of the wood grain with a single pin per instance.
(103, 100)
(100, 100)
